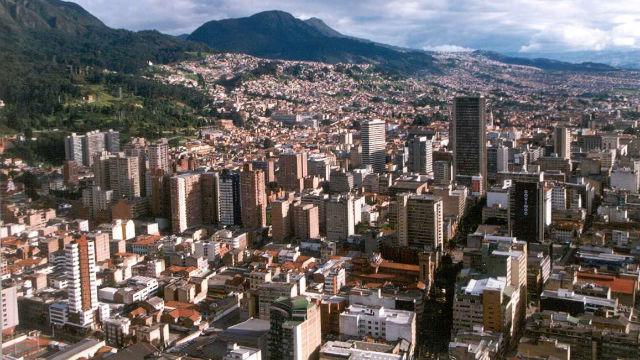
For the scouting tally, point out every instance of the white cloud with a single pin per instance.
(502, 25)
(446, 48)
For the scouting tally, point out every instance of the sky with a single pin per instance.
(523, 26)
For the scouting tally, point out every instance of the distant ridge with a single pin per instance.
(545, 64)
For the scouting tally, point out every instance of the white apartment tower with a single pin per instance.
(374, 143)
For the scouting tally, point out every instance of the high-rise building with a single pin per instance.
(281, 214)
(562, 142)
(9, 313)
(305, 221)
(82, 289)
(268, 166)
(92, 142)
(160, 194)
(101, 245)
(158, 153)
(420, 155)
(295, 329)
(73, 148)
(292, 171)
(124, 176)
(137, 148)
(467, 136)
(70, 173)
(97, 200)
(420, 221)
(100, 168)
(253, 198)
(497, 160)
(229, 198)
(186, 201)
(112, 141)
(529, 200)
(81, 148)
(210, 182)
(442, 172)
(340, 217)
(374, 143)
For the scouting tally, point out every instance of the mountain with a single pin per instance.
(48, 48)
(323, 28)
(279, 35)
(624, 59)
(544, 63)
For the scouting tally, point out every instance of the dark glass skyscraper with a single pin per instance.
(468, 139)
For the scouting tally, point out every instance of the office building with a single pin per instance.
(186, 202)
(340, 217)
(9, 315)
(467, 136)
(442, 172)
(210, 185)
(374, 143)
(295, 329)
(530, 205)
(497, 161)
(253, 198)
(229, 198)
(562, 142)
(420, 155)
(378, 322)
(486, 302)
(420, 221)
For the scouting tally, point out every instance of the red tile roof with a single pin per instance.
(617, 284)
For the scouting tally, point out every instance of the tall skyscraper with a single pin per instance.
(529, 200)
(124, 176)
(295, 329)
(562, 142)
(374, 143)
(467, 135)
(229, 198)
(340, 218)
(420, 221)
(306, 221)
(82, 289)
(186, 202)
(292, 171)
(159, 158)
(420, 155)
(210, 182)
(253, 198)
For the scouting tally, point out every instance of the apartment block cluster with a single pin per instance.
(376, 242)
